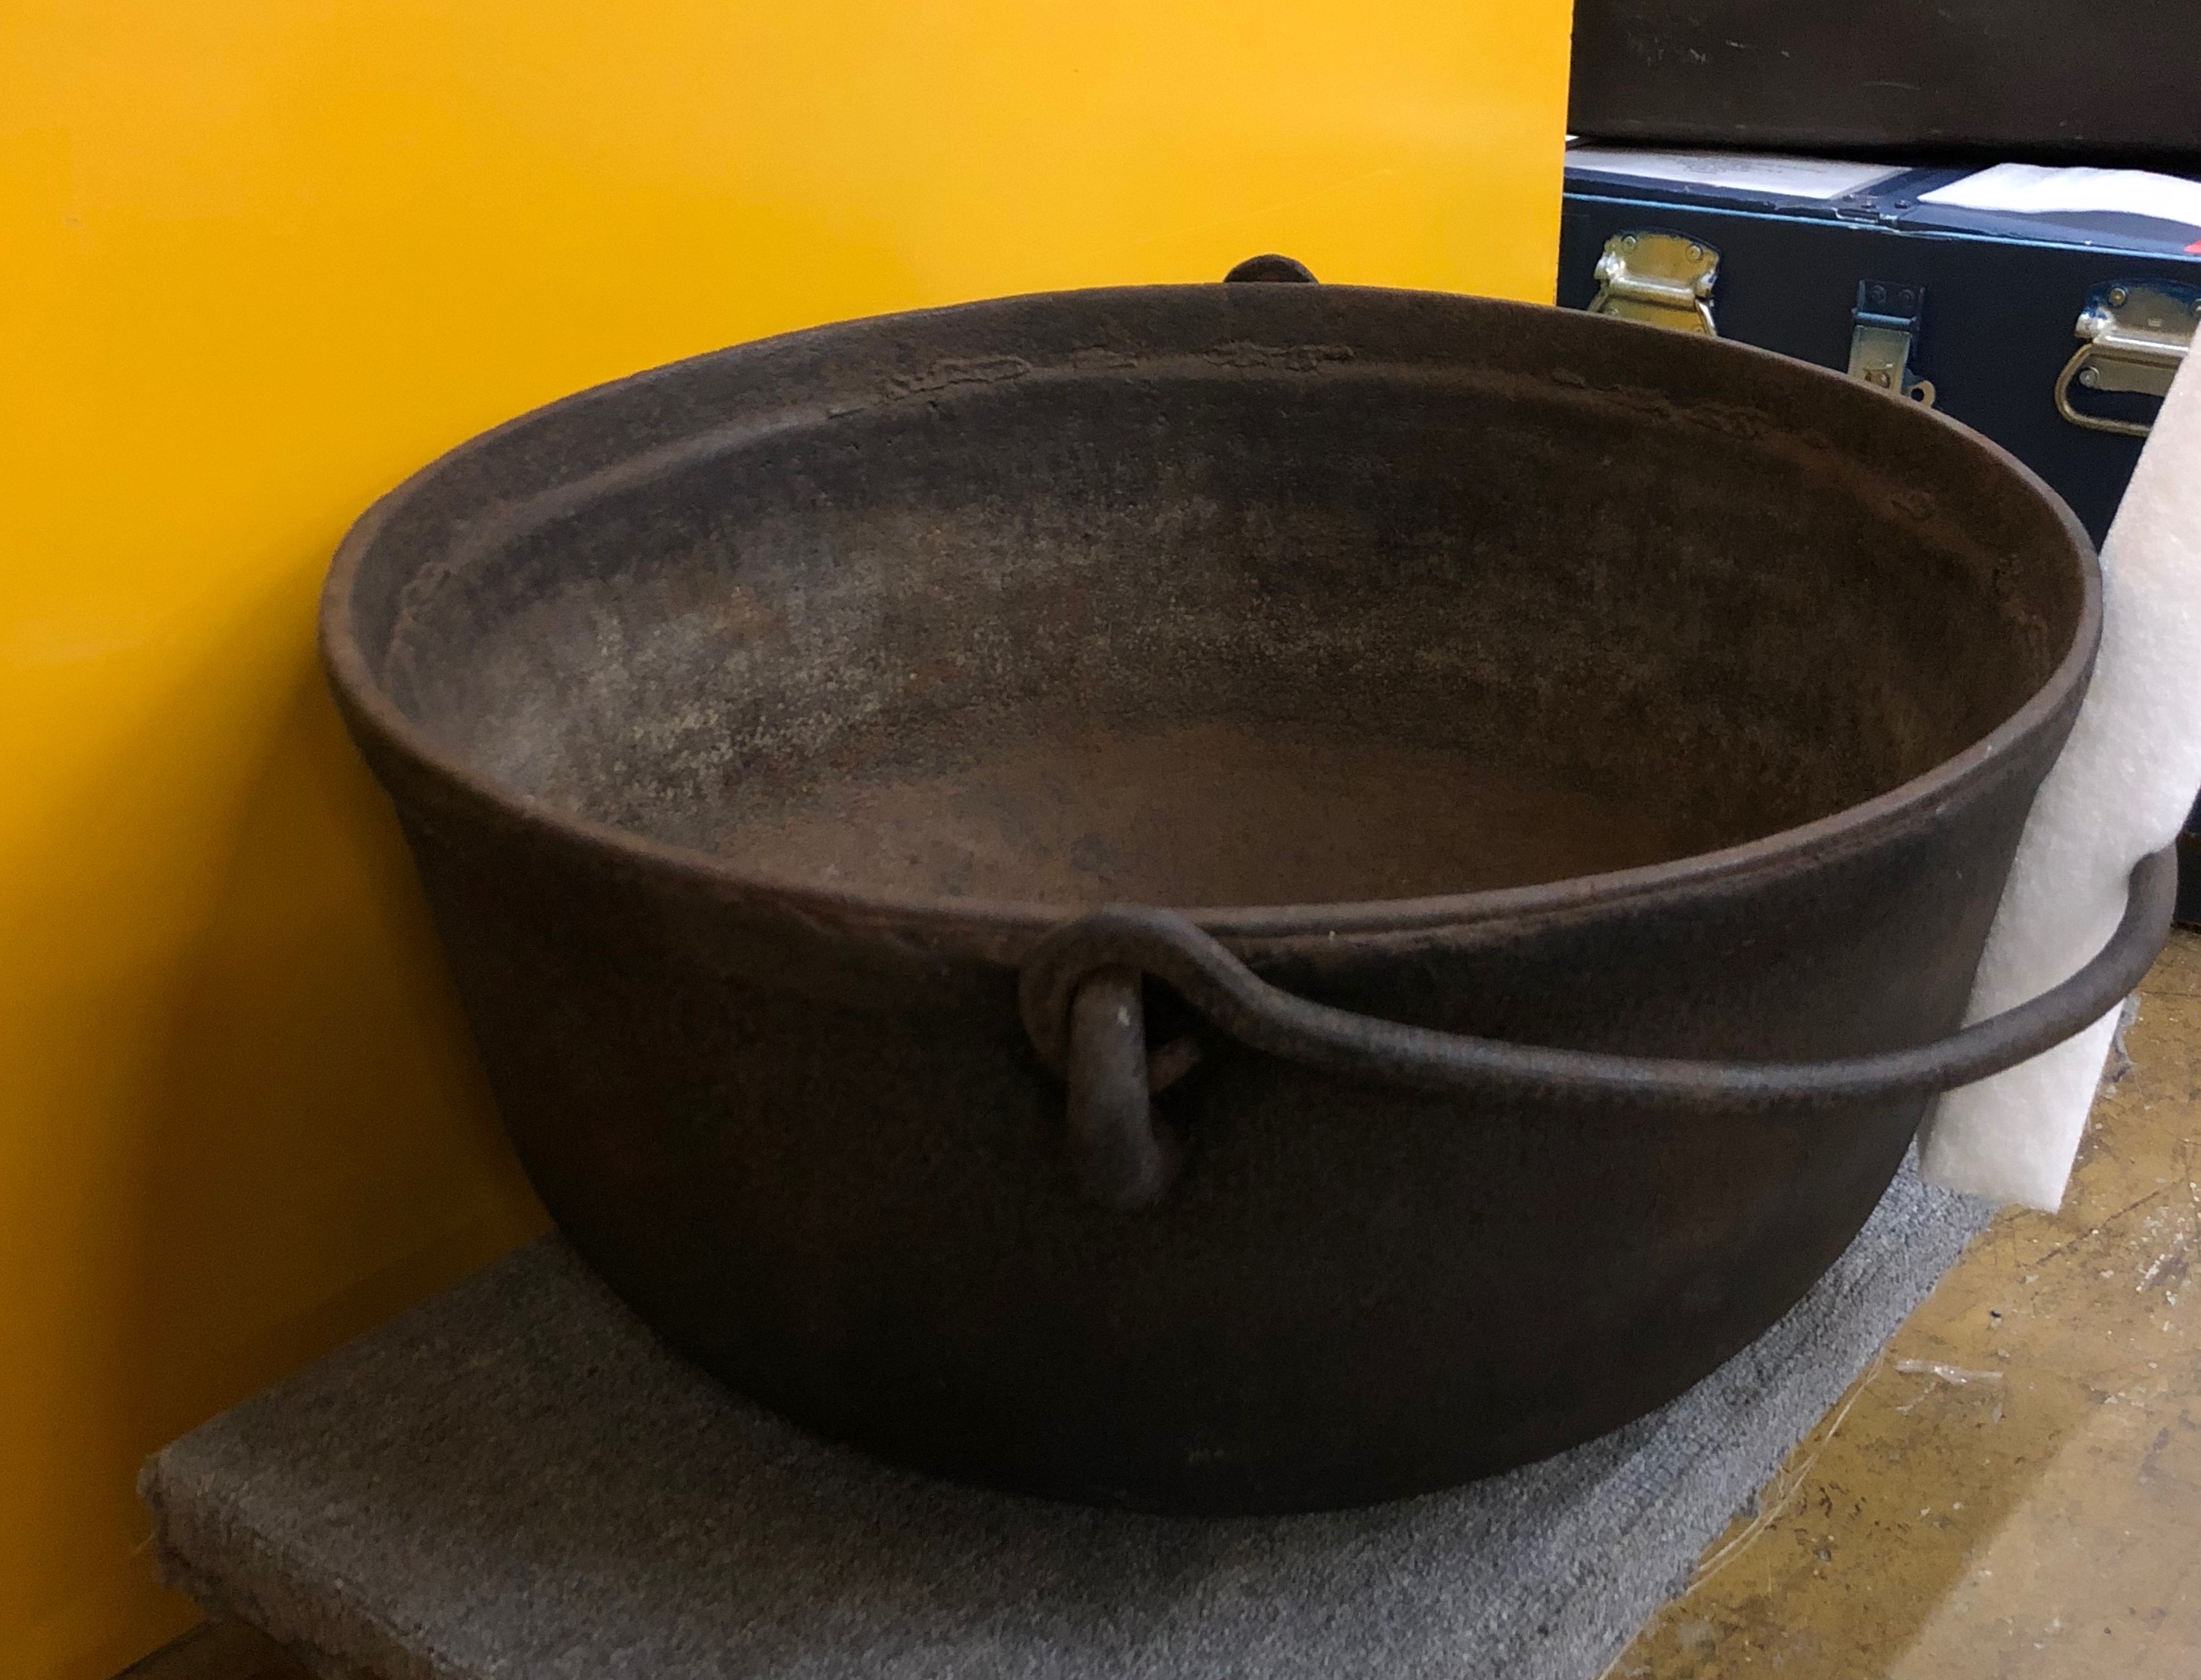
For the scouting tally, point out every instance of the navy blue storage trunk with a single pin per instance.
(2000, 295)
(1991, 303)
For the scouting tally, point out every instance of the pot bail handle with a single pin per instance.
(1078, 994)
(1123, 1157)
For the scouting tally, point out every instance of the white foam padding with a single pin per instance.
(2122, 790)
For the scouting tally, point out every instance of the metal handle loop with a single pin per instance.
(2082, 358)
(1121, 940)
(1272, 267)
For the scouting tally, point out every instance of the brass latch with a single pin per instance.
(1884, 337)
(1662, 280)
(2135, 335)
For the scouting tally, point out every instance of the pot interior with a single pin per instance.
(1197, 632)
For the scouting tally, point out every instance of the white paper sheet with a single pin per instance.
(2032, 189)
(1817, 178)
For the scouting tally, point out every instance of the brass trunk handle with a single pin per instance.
(2134, 336)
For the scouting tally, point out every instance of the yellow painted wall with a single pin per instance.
(259, 258)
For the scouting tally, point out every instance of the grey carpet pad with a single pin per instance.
(515, 1480)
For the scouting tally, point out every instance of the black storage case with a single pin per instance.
(2050, 80)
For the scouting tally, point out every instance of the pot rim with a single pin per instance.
(1012, 923)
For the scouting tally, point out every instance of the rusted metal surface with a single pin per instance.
(1472, 667)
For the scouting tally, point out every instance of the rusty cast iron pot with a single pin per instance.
(1586, 761)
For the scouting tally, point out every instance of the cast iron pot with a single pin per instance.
(1581, 763)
